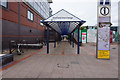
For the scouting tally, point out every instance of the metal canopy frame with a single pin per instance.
(63, 28)
(63, 23)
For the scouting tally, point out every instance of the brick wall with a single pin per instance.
(25, 21)
(12, 14)
(12, 31)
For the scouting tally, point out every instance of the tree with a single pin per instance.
(96, 27)
(82, 28)
(87, 27)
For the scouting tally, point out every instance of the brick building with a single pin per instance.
(21, 21)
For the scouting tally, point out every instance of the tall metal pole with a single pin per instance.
(47, 40)
(78, 51)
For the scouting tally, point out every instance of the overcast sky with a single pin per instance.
(85, 10)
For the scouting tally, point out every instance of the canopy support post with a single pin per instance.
(70, 39)
(55, 40)
(78, 51)
(47, 40)
(73, 40)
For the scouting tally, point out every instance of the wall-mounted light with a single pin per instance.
(30, 30)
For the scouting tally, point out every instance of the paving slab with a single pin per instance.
(63, 62)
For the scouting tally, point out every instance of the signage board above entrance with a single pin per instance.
(62, 17)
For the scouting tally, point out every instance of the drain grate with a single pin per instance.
(113, 48)
(63, 65)
(74, 62)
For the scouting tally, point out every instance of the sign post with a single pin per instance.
(103, 30)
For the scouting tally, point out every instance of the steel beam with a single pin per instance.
(55, 40)
(70, 39)
(78, 51)
(47, 40)
(73, 40)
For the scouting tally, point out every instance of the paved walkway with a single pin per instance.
(63, 62)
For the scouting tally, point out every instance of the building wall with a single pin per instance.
(27, 30)
(11, 14)
(24, 21)
(92, 34)
(41, 6)
(52, 36)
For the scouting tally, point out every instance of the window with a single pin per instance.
(4, 3)
(30, 15)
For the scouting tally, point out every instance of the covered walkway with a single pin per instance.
(63, 23)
